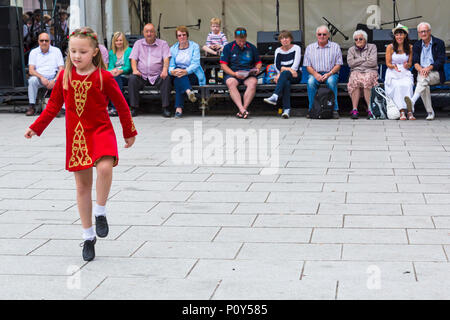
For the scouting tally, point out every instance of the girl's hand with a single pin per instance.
(129, 142)
(396, 68)
(29, 133)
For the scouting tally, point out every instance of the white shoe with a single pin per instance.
(286, 113)
(272, 100)
(430, 116)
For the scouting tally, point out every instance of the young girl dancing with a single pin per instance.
(85, 88)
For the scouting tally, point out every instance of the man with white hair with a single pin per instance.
(428, 60)
(323, 60)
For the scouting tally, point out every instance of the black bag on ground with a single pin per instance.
(323, 105)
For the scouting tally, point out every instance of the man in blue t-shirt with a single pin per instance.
(241, 63)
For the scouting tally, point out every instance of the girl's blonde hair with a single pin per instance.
(84, 33)
(114, 39)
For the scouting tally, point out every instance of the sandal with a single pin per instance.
(402, 115)
(245, 114)
(411, 116)
(239, 115)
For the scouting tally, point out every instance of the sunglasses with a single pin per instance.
(322, 34)
(241, 32)
(359, 39)
(44, 40)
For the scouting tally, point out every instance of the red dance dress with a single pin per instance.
(89, 131)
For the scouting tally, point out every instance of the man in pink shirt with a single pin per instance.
(150, 59)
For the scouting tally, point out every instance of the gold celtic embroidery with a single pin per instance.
(81, 89)
(80, 156)
(133, 128)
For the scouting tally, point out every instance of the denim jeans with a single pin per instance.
(284, 87)
(181, 85)
(331, 83)
(121, 81)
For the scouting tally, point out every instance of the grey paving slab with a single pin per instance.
(151, 289)
(228, 196)
(194, 250)
(140, 268)
(247, 178)
(354, 221)
(68, 232)
(439, 222)
(282, 251)
(429, 236)
(426, 209)
(317, 197)
(359, 187)
(210, 220)
(191, 207)
(361, 271)
(384, 197)
(35, 265)
(19, 246)
(339, 235)
(36, 205)
(430, 271)
(299, 221)
(360, 209)
(212, 186)
(393, 290)
(173, 177)
(276, 208)
(30, 287)
(16, 230)
(279, 186)
(246, 270)
(276, 290)
(312, 178)
(382, 179)
(103, 248)
(266, 235)
(128, 195)
(393, 252)
(166, 233)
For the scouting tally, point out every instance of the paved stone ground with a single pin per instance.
(356, 210)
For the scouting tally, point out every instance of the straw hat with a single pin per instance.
(400, 27)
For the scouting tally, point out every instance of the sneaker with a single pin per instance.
(286, 113)
(89, 249)
(308, 116)
(402, 115)
(354, 114)
(178, 115)
(369, 114)
(430, 116)
(335, 114)
(101, 226)
(272, 100)
(192, 97)
(166, 112)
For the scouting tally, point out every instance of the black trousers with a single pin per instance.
(136, 83)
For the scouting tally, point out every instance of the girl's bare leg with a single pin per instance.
(104, 179)
(83, 180)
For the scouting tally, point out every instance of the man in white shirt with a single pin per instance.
(45, 64)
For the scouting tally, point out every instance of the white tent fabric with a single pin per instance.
(259, 15)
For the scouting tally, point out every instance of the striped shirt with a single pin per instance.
(289, 59)
(220, 39)
(323, 59)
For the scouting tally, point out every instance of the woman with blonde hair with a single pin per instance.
(119, 63)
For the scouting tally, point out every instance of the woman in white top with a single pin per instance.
(287, 63)
(399, 80)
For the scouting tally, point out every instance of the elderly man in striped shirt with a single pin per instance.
(323, 60)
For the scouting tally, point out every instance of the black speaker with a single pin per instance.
(5, 2)
(132, 38)
(267, 41)
(11, 26)
(364, 27)
(11, 71)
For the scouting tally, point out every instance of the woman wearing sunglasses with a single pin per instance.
(362, 60)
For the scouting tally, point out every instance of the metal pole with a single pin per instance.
(301, 15)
